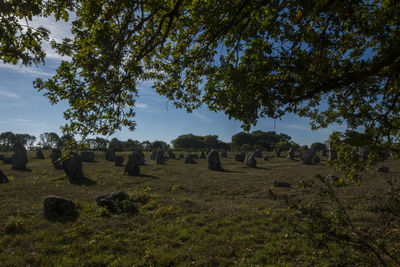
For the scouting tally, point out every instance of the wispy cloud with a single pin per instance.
(8, 94)
(23, 122)
(295, 127)
(141, 105)
(202, 117)
(31, 71)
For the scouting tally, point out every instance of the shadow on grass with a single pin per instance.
(148, 176)
(83, 181)
(22, 170)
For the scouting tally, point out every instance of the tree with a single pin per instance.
(49, 140)
(7, 140)
(241, 139)
(317, 146)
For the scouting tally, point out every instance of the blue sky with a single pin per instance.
(24, 110)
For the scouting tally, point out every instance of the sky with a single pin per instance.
(25, 110)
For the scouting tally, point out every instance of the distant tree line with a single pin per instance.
(191, 141)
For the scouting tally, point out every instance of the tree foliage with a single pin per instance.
(259, 139)
(191, 141)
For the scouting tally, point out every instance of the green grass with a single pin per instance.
(188, 216)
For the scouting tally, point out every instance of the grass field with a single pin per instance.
(192, 216)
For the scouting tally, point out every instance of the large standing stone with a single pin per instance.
(258, 154)
(251, 160)
(118, 160)
(224, 154)
(141, 156)
(307, 156)
(171, 154)
(160, 159)
(39, 154)
(332, 155)
(190, 159)
(132, 167)
(203, 154)
(240, 156)
(153, 155)
(110, 154)
(213, 161)
(73, 167)
(3, 178)
(59, 209)
(290, 154)
(20, 158)
(55, 157)
(87, 156)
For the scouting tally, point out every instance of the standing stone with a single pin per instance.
(240, 157)
(307, 156)
(258, 154)
(171, 154)
(324, 152)
(39, 154)
(281, 184)
(316, 160)
(224, 154)
(383, 169)
(181, 156)
(87, 156)
(20, 158)
(160, 159)
(118, 160)
(332, 155)
(203, 154)
(132, 167)
(278, 153)
(290, 154)
(3, 178)
(153, 155)
(59, 209)
(195, 156)
(141, 156)
(110, 155)
(189, 159)
(55, 157)
(73, 167)
(266, 158)
(251, 160)
(1, 157)
(213, 161)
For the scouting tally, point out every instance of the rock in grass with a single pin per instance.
(3, 178)
(132, 167)
(190, 159)
(181, 156)
(39, 154)
(118, 160)
(59, 209)
(307, 156)
(240, 157)
(153, 155)
(141, 156)
(160, 158)
(20, 158)
(224, 154)
(266, 158)
(116, 202)
(251, 160)
(281, 184)
(73, 167)
(55, 157)
(203, 154)
(290, 154)
(316, 160)
(383, 169)
(213, 161)
(110, 155)
(171, 154)
(87, 156)
(258, 154)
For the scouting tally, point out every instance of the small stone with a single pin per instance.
(383, 169)
(224, 154)
(281, 184)
(251, 160)
(190, 159)
(110, 154)
(203, 154)
(39, 154)
(59, 209)
(118, 160)
(240, 157)
(258, 154)
(266, 158)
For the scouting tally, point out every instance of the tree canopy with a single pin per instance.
(331, 61)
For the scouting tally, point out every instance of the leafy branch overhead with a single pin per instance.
(332, 61)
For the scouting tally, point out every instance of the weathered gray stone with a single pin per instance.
(290, 154)
(87, 156)
(132, 167)
(39, 154)
(160, 158)
(332, 155)
(383, 169)
(55, 157)
(20, 158)
(59, 209)
(110, 154)
(258, 154)
(251, 160)
(3, 178)
(240, 156)
(141, 156)
(8, 160)
(213, 161)
(281, 184)
(203, 154)
(118, 160)
(224, 154)
(307, 156)
(171, 154)
(189, 159)
(73, 167)
(153, 155)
